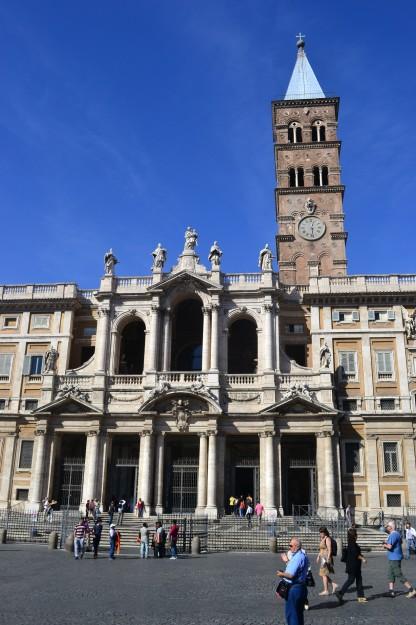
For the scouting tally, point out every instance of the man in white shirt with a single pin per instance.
(410, 540)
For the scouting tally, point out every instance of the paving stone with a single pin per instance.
(51, 588)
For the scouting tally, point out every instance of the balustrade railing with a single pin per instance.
(134, 282)
(83, 381)
(242, 379)
(242, 278)
(126, 380)
(182, 377)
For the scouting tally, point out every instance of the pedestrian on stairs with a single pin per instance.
(97, 531)
(249, 514)
(259, 510)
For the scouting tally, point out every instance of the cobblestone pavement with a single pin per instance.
(40, 587)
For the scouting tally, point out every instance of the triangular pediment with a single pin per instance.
(67, 405)
(299, 404)
(184, 278)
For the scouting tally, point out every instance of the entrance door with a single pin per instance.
(72, 477)
(301, 491)
(123, 484)
(182, 490)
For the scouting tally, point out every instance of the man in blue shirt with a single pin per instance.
(393, 545)
(295, 574)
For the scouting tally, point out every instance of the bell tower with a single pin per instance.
(309, 195)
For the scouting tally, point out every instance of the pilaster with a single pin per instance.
(7, 467)
(159, 470)
(38, 469)
(202, 474)
(211, 508)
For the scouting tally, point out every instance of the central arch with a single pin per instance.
(242, 346)
(187, 326)
(131, 359)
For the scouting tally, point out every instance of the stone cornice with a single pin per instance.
(308, 190)
(307, 103)
(339, 235)
(307, 146)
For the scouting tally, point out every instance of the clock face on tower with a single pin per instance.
(311, 228)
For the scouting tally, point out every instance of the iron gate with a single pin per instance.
(72, 477)
(183, 485)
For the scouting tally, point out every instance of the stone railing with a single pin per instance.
(136, 283)
(242, 379)
(83, 381)
(286, 380)
(363, 284)
(126, 380)
(182, 378)
(37, 291)
(242, 278)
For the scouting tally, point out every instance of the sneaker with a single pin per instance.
(392, 594)
(306, 606)
(338, 596)
(411, 593)
(362, 599)
(173, 558)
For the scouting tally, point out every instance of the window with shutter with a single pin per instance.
(348, 365)
(371, 315)
(335, 315)
(355, 315)
(391, 315)
(385, 365)
(40, 321)
(5, 366)
(26, 453)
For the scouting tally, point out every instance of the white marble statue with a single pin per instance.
(109, 262)
(325, 356)
(265, 258)
(159, 257)
(191, 238)
(214, 255)
(51, 357)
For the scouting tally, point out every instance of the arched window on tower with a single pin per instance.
(320, 176)
(242, 347)
(294, 134)
(318, 131)
(296, 177)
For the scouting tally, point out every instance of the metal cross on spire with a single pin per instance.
(300, 37)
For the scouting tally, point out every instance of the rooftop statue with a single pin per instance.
(265, 258)
(159, 257)
(109, 262)
(214, 255)
(191, 238)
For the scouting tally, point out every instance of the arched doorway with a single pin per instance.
(187, 336)
(242, 347)
(132, 348)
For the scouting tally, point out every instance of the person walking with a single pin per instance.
(236, 506)
(111, 510)
(393, 546)
(295, 575)
(241, 507)
(259, 510)
(144, 541)
(249, 514)
(173, 537)
(121, 510)
(140, 508)
(159, 541)
(326, 562)
(351, 555)
(97, 531)
(80, 533)
(231, 503)
(410, 536)
(112, 536)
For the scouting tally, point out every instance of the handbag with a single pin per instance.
(309, 580)
(282, 589)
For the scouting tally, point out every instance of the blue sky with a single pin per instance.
(123, 122)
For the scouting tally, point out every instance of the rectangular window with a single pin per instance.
(352, 457)
(381, 315)
(26, 453)
(22, 494)
(391, 458)
(31, 404)
(295, 328)
(349, 405)
(384, 365)
(393, 500)
(33, 364)
(5, 367)
(345, 316)
(387, 403)
(9, 322)
(40, 321)
(2, 404)
(348, 365)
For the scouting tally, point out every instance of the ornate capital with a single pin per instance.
(268, 308)
(154, 308)
(92, 433)
(202, 434)
(215, 307)
(146, 433)
(325, 434)
(206, 310)
(212, 433)
(104, 311)
(39, 432)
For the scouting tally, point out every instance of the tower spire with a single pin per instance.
(303, 84)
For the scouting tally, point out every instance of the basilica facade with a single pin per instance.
(190, 384)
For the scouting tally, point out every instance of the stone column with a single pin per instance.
(269, 503)
(202, 473)
(101, 340)
(206, 332)
(54, 453)
(410, 461)
(211, 508)
(146, 469)
(167, 339)
(214, 337)
(278, 465)
(38, 469)
(373, 489)
(329, 471)
(90, 468)
(159, 468)
(268, 337)
(8, 452)
(153, 342)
